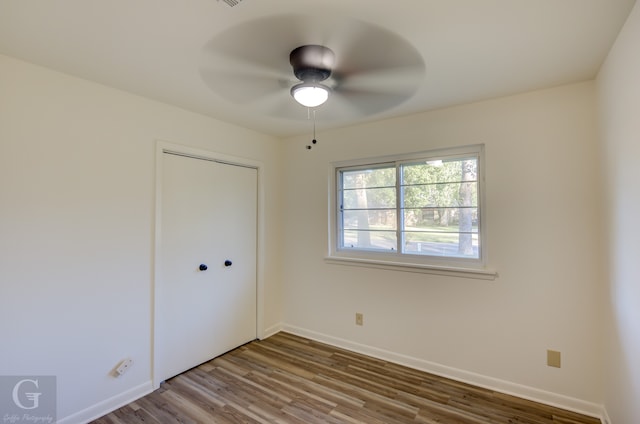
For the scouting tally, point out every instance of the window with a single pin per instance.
(422, 210)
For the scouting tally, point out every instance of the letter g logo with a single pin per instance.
(32, 396)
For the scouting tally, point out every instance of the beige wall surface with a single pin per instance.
(619, 101)
(77, 184)
(543, 215)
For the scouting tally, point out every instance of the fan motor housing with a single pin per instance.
(312, 62)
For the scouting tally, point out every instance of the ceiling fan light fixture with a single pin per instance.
(310, 94)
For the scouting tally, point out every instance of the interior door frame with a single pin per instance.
(162, 148)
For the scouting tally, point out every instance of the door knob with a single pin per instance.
(228, 263)
(202, 267)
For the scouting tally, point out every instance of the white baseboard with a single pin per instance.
(605, 416)
(108, 405)
(268, 332)
(502, 386)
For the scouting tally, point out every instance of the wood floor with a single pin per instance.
(289, 379)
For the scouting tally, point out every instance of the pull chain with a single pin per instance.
(314, 141)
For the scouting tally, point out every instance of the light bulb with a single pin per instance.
(310, 94)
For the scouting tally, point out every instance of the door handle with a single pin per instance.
(228, 263)
(202, 267)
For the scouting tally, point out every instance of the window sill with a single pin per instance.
(478, 274)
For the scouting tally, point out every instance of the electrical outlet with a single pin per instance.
(553, 358)
(359, 318)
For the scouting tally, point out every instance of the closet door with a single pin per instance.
(206, 293)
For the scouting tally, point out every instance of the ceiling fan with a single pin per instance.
(346, 68)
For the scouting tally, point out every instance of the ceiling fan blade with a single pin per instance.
(375, 69)
(238, 77)
(362, 46)
(341, 107)
(275, 104)
(391, 80)
(220, 61)
(262, 45)
(241, 87)
(358, 104)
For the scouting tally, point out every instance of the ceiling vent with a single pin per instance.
(232, 3)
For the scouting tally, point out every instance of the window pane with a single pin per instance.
(440, 195)
(383, 219)
(369, 198)
(369, 178)
(451, 220)
(370, 240)
(441, 244)
(441, 171)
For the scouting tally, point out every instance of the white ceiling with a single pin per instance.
(471, 49)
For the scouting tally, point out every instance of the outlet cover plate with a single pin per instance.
(553, 358)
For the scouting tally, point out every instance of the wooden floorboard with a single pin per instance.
(292, 380)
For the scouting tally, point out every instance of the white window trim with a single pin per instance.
(456, 267)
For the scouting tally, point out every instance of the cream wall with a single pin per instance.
(619, 100)
(77, 223)
(543, 212)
